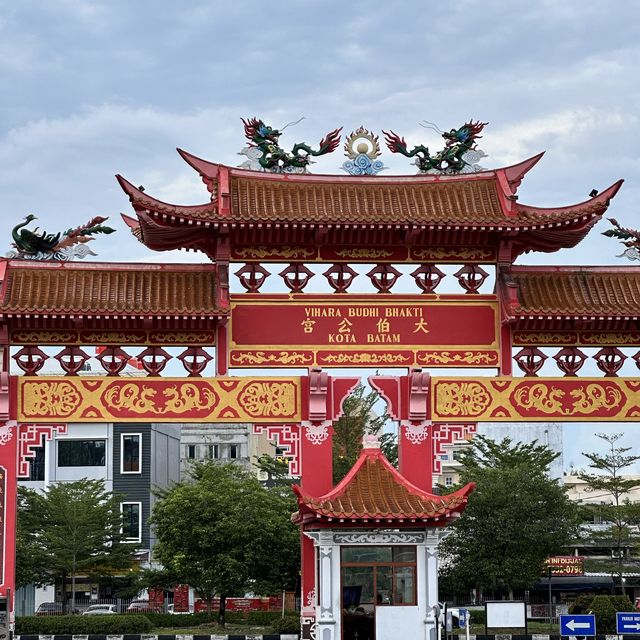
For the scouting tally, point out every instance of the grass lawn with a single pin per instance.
(212, 629)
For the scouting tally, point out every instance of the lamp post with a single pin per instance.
(550, 601)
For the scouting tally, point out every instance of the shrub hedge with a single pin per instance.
(267, 618)
(115, 624)
(604, 608)
(288, 624)
(477, 616)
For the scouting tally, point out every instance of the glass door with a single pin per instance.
(358, 604)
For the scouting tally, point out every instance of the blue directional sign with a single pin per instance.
(463, 614)
(628, 623)
(578, 625)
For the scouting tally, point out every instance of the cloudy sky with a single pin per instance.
(94, 88)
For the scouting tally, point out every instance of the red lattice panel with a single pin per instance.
(445, 435)
(30, 437)
(286, 436)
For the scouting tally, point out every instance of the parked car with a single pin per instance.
(49, 609)
(178, 613)
(53, 609)
(100, 610)
(143, 606)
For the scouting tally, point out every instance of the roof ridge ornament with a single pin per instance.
(630, 238)
(362, 147)
(264, 152)
(63, 246)
(460, 153)
(370, 441)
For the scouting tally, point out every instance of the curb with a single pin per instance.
(137, 636)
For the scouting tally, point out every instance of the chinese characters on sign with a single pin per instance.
(383, 331)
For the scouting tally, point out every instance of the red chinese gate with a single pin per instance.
(257, 219)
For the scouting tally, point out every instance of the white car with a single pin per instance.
(177, 613)
(100, 610)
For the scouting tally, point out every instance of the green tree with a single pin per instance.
(359, 418)
(620, 512)
(72, 528)
(516, 517)
(223, 533)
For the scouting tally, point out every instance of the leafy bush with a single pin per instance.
(267, 618)
(604, 608)
(115, 624)
(605, 612)
(288, 624)
(477, 616)
(581, 604)
(169, 620)
(622, 603)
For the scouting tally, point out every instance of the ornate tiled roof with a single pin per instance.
(375, 491)
(572, 291)
(64, 288)
(481, 200)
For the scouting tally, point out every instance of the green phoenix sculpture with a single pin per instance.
(67, 245)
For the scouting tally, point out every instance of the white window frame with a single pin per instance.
(139, 538)
(237, 450)
(213, 452)
(122, 437)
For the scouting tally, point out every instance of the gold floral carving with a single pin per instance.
(53, 399)
(442, 253)
(457, 357)
(282, 357)
(366, 358)
(112, 337)
(290, 253)
(268, 399)
(553, 400)
(546, 337)
(182, 337)
(592, 397)
(540, 397)
(609, 338)
(358, 254)
(44, 337)
(462, 399)
(138, 398)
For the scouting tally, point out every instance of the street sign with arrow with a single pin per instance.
(627, 623)
(578, 625)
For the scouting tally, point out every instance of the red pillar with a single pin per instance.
(506, 360)
(323, 398)
(308, 576)
(222, 350)
(8, 491)
(415, 454)
(408, 402)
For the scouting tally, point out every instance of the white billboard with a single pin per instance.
(505, 613)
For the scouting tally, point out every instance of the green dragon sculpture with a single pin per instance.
(43, 245)
(458, 142)
(274, 158)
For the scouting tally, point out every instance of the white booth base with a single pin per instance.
(391, 622)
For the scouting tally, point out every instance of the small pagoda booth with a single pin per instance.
(376, 540)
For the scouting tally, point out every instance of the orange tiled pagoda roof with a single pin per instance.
(484, 201)
(374, 491)
(38, 288)
(572, 292)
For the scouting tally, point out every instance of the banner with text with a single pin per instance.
(380, 330)
(565, 565)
